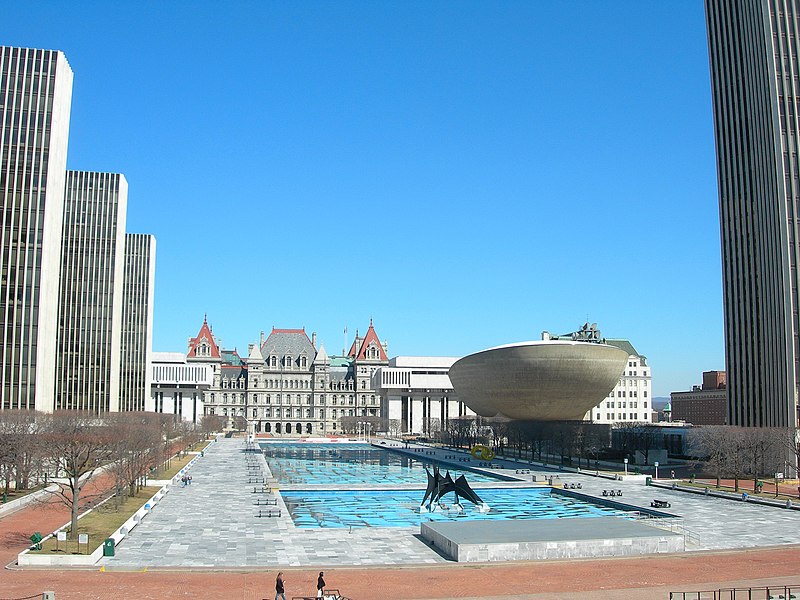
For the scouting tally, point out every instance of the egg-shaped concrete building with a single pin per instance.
(545, 381)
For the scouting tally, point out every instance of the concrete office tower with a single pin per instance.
(90, 296)
(137, 321)
(753, 48)
(35, 100)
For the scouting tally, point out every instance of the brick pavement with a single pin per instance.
(631, 579)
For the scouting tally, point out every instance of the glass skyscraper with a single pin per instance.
(35, 101)
(753, 48)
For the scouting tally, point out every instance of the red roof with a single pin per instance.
(205, 332)
(371, 339)
(353, 348)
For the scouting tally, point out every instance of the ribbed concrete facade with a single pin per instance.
(137, 321)
(541, 381)
(35, 100)
(90, 311)
(753, 48)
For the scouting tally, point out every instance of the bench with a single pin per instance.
(270, 512)
(266, 502)
(255, 480)
(660, 504)
(612, 493)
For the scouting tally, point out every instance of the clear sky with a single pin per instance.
(467, 174)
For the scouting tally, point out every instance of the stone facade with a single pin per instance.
(287, 386)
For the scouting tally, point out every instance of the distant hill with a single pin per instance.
(659, 402)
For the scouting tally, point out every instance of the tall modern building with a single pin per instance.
(137, 321)
(35, 101)
(753, 48)
(91, 292)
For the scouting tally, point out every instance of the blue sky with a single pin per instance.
(467, 174)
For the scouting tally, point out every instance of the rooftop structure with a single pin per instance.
(548, 380)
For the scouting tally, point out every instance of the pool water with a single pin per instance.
(400, 508)
(341, 464)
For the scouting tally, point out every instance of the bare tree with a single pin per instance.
(498, 429)
(77, 444)
(211, 424)
(711, 445)
(462, 431)
(138, 442)
(394, 427)
(20, 449)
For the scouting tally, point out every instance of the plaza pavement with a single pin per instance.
(635, 578)
(213, 523)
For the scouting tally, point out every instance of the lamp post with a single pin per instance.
(625, 462)
(369, 431)
(655, 464)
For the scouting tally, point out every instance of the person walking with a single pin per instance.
(320, 585)
(279, 586)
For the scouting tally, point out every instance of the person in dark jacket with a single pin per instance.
(320, 585)
(279, 586)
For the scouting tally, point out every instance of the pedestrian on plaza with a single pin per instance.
(183, 481)
(672, 474)
(279, 586)
(320, 585)
(189, 479)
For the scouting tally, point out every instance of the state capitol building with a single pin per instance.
(289, 385)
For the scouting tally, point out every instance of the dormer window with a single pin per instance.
(273, 361)
(303, 362)
(287, 361)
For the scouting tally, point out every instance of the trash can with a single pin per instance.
(648, 480)
(36, 538)
(108, 547)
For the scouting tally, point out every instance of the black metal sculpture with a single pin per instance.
(438, 486)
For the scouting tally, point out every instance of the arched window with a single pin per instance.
(267, 428)
(298, 428)
(277, 427)
(308, 428)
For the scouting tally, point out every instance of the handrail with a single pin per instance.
(673, 524)
(767, 592)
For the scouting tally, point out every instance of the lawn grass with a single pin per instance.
(199, 446)
(175, 465)
(99, 524)
(767, 493)
(16, 494)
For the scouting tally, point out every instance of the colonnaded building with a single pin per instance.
(288, 385)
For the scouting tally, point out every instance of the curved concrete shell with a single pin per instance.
(545, 381)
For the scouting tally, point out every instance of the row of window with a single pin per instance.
(622, 404)
(287, 413)
(620, 417)
(292, 384)
(289, 398)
